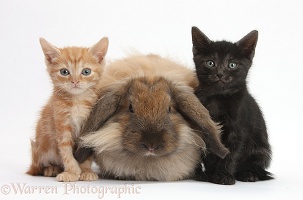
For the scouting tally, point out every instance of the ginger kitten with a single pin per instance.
(75, 73)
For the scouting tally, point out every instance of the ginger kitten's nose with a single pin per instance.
(75, 82)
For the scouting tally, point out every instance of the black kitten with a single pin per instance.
(222, 68)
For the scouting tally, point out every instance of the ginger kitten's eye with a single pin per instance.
(232, 65)
(210, 64)
(64, 72)
(86, 72)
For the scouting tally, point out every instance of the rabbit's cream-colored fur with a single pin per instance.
(148, 124)
(149, 66)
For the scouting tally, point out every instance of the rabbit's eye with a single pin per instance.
(169, 109)
(130, 108)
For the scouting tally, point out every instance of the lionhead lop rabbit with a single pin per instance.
(148, 124)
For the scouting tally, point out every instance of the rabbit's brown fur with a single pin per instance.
(141, 128)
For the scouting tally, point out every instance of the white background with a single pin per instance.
(162, 27)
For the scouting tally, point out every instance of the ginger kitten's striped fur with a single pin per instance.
(75, 73)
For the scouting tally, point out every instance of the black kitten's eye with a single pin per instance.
(232, 65)
(64, 72)
(86, 72)
(210, 64)
(130, 108)
(169, 109)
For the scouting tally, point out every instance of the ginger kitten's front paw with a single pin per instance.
(67, 177)
(88, 176)
(51, 171)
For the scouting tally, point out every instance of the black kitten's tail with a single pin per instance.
(264, 175)
(258, 171)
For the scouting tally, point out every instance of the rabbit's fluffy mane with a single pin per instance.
(115, 162)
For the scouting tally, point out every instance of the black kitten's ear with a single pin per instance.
(248, 43)
(199, 39)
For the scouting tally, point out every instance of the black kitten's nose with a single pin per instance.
(220, 76)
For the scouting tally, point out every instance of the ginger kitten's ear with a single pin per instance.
(99, 50)
(50, 51)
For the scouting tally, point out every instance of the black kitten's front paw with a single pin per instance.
(247, 176)
(223, 179)
(201, 177)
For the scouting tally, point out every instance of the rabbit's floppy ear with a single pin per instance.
(105, 107)
(190, 107)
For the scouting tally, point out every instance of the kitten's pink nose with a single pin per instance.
(75, 82)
